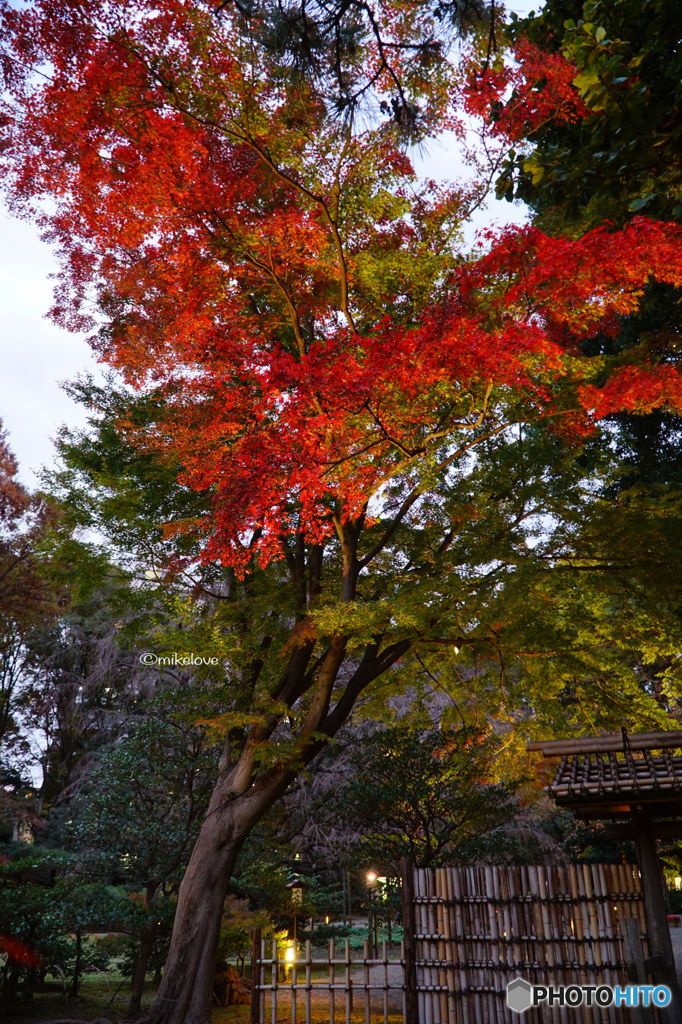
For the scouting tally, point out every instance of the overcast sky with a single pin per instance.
(37, 356)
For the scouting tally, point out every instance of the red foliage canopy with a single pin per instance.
(282, 281)
(517, 97)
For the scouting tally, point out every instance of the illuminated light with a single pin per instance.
(678, 882)
(326, 920)
(289, 955)
(371, 877)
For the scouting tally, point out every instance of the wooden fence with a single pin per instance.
(338, 987)
(468, 932)
(475, 929)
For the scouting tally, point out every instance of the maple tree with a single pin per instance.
(318, 354)
(618, 158)
(136, 814)
(610, 152)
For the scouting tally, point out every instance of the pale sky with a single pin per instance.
(37, 356)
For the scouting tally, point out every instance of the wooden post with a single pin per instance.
(255, 975)
(656, 918)
(409, 929)
(634, 959)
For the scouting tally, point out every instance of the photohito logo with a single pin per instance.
(521, 995)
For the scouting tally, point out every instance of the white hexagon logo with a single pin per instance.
(519, 995)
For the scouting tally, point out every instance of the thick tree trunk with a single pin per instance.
(186, 992)
(237, 804)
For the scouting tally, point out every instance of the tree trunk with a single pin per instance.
(78, 965)
(186, 992)
(11, 983)
(146, 946)
(237, 804)
(30, 983)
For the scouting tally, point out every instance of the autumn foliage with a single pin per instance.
(521, 94)
(286, 285)
(244, 235)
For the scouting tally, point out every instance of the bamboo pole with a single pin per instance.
(254, 1015)
(441, 892)
(308, 980)
(261, 1017)
(468, 1016)
(349, 983)
(332, 981)
(384, 955)
(273, 980)
(366, 957)
(411, 1003)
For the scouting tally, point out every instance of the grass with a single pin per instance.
(100, 998)
(97, 998)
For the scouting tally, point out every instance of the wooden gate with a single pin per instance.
(337, 985)
(475, 929)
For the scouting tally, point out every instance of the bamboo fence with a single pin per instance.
(478, 928)
(349, 988)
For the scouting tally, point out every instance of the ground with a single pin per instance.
(109, 997)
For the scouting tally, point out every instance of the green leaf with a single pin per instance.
(639, 204)
(585, 80)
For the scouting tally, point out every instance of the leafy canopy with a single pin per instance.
(620, 152)
(317, 355)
